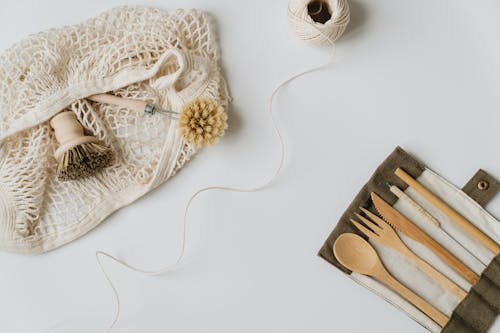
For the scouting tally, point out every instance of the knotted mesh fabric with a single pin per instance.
(168, 58)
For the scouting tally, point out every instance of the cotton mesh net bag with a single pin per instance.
(166, 58)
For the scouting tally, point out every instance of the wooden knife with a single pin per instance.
(401, 223)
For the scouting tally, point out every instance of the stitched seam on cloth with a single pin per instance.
(167, 160)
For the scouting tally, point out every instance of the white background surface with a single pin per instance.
(421, 74)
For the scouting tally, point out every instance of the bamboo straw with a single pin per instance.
(455, 216)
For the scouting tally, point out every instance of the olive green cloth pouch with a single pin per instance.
(480, 307)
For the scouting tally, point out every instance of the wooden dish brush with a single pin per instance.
(202, 121)
(78, 155)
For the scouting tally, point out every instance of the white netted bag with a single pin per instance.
(168, 58)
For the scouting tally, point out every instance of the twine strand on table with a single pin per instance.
(302, 17)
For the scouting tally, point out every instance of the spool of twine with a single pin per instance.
(318, 22)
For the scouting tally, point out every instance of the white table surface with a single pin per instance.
(421, 74)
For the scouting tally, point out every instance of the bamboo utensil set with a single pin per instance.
(404, 225)
(382, 233)
(358, 255)
(428, 217)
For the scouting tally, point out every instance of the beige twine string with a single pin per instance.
(319, 36)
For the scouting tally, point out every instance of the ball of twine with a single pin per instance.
(318, 22)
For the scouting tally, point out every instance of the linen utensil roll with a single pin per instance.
(479, 308)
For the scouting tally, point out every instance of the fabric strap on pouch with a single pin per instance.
(477, 312)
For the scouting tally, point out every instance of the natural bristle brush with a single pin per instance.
(202, 121)
(78, 155)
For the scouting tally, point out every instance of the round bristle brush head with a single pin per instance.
(202, 122)
(78, 155)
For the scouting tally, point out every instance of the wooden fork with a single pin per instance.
(384, 234)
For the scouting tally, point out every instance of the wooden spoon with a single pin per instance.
(359, 256)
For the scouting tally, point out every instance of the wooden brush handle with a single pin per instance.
(66, 127)
(411, 297)
(69, 132)
(450, 212)
(132, 104)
